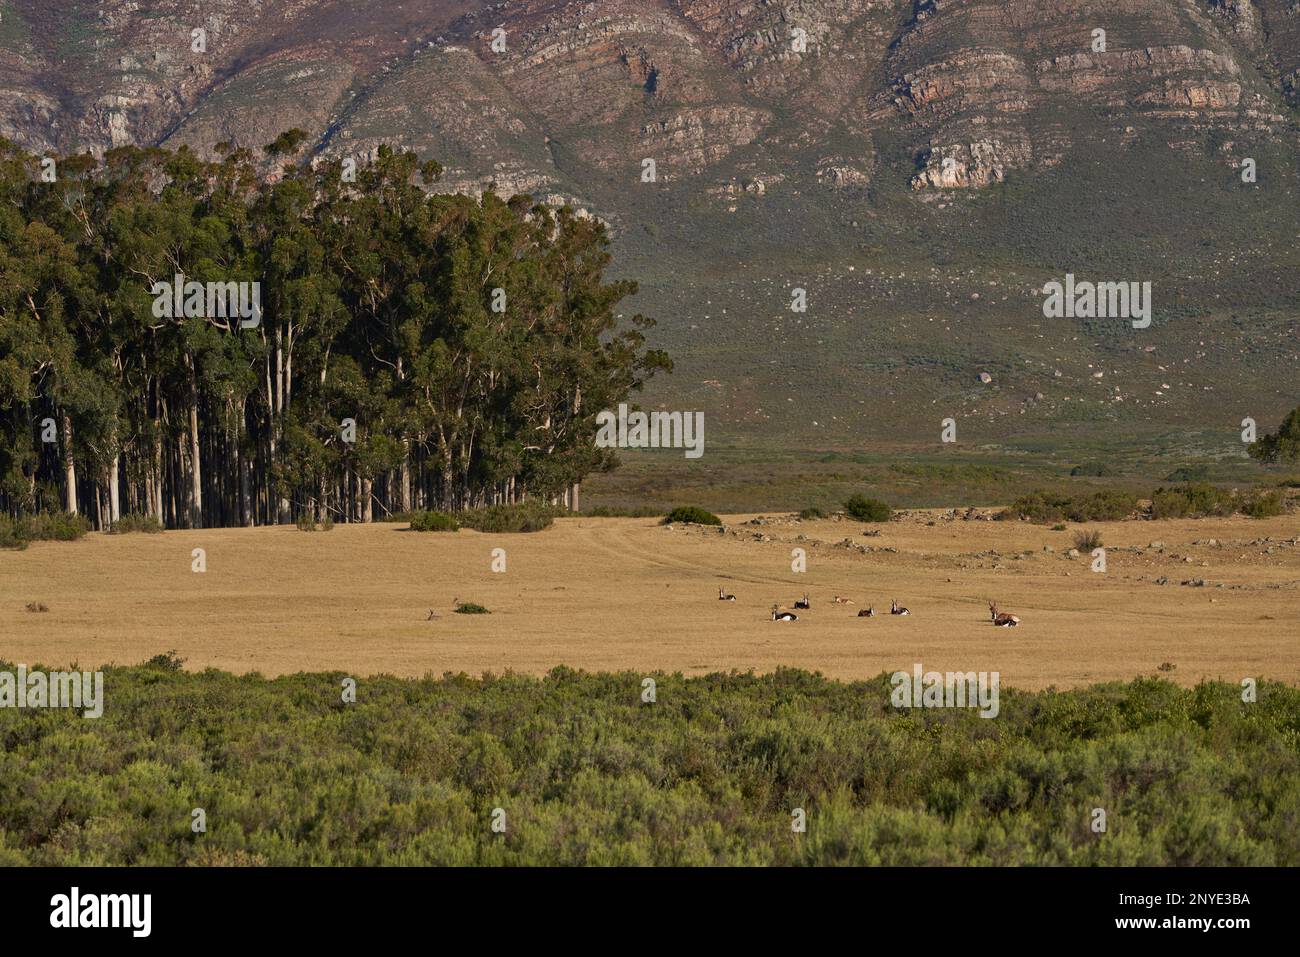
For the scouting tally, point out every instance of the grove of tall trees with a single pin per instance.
(413, 349)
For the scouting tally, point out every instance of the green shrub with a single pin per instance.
(867, 509)
(525, 517)
(1265, 505)
(692, 515)
(136, 523)
(47, 526)
(1189, 473)
(1202, 778)
(9, 537)
(616, 511)
(1092, 469)
(1108, 505)
(812, 513)
(167, 661)
(1193, 500)
(433, 522)
(470, 608)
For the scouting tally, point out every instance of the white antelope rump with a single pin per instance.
(1001, 619)
(896, 609)
(780, 614)
(723, 596)
(868, 612)
(803, 602)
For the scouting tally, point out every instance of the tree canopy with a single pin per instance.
(398, 348)
(1282, 446)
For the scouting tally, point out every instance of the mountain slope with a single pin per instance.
(895, 159)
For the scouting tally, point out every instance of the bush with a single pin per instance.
(616, 511)
(47, 526)
(690, 514)
(469, 608)
(167, 661)
(1189, 473)
(867, 509)
(1104, 506)
(525, 517)
(1086, 540)
(1092, 469)
(135, 523)
(1193, 500)
(1266, 505)
(1202, 778)
(812, 513)
(433, 522)
(306, 523)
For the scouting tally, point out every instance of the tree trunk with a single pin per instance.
(406, 474)
(69, 466)
(114, 490)
(196, 468)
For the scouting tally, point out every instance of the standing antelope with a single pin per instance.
(868, 612)
(780, 614)
(896, 609)
(1001, 619)
(803, 602)
(723, 596)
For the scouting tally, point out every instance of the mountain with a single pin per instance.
(920, 169)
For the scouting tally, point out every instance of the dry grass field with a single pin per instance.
(612, 594)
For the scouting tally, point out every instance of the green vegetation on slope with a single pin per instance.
(586, 773)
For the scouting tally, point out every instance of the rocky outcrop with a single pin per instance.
(549, 95)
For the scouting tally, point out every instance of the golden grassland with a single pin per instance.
(613, 594)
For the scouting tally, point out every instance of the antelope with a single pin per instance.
(843, 601)
(723, 596)
(868, 612)
(896, 609)
(780, 614)
(432, 615)
(803, 602)
(1001, 619)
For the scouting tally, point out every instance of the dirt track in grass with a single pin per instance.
(613, 594)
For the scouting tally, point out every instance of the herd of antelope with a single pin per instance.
(1000, 619)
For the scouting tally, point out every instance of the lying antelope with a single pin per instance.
(868, 612)
(1001, 619)
(843, 601)
(723, 596)
(803, 602)
(896, 609)
(780, 614)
